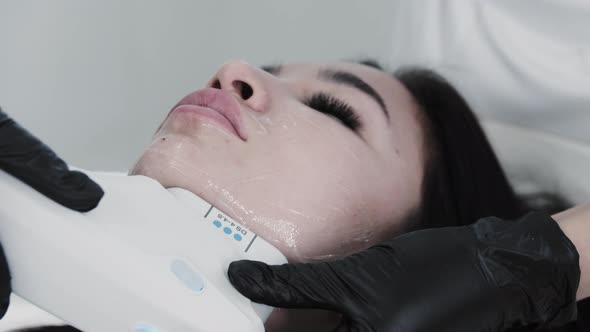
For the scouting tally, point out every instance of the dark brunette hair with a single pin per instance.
(463, 180)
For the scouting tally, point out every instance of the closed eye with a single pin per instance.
(336, 108)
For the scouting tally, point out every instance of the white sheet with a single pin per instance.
(525, 62)
(537, 161)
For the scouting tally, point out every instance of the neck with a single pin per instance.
(575, 224)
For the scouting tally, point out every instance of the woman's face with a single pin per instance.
(321, 160)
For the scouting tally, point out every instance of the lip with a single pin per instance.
(208, 100)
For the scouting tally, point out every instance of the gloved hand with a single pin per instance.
(488, 276)
(28, 159)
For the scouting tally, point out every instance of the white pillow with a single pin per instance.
(538, 161)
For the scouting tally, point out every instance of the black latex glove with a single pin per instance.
(28, 159)
(488, 276)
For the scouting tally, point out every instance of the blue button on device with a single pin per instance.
(144, 328)
(189, 277)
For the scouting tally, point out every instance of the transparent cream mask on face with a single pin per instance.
(147, 259)
(296, 223)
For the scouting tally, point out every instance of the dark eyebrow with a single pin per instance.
(272, 69)
(350, 79)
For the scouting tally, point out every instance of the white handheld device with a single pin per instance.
(147, 259)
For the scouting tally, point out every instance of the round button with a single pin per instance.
(238, 237)
(144, 328)
(227, 230)
(217, 223)
(189, 277)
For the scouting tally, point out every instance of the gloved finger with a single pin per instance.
(72, 189)
(310, 285)
(5, 288)
(27, 158)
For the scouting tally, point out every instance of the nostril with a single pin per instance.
(216, 84)
(244, 89)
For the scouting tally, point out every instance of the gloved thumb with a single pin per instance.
(302, 285)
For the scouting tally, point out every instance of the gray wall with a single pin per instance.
(93, 79)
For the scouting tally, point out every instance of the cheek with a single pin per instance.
(349, 212)
(328, 195)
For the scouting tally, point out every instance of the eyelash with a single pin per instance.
(329, 105)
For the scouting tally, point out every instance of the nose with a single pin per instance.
(244, 81)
